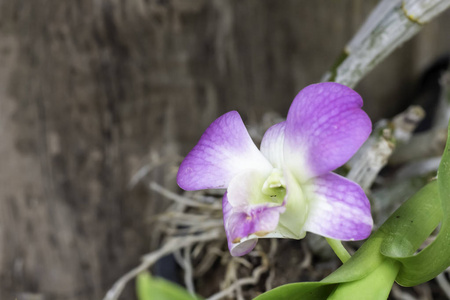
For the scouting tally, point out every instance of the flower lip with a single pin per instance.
(244, 227)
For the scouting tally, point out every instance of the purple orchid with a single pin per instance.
(286, 188)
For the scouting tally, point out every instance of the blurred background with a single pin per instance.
(93, 90)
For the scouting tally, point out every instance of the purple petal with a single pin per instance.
(324, 128)
(339, 209)
(235, 249)
(272, 144)
(258, 220)
(224, 150)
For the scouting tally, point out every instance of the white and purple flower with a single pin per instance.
(286, 188)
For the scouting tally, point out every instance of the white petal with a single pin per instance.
(272, 145)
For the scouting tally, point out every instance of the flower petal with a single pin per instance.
(224, 150)
(338, 208)
(259, 220)
(244, 227)
(238, 249)
(324, 128)
(272, 145)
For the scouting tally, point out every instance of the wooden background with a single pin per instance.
(90, 89)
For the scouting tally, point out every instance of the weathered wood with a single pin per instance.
(88, 89)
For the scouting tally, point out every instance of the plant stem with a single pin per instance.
(391, 23)
(339, 249)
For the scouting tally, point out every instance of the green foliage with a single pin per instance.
(150, 288)
(301, 290)
(435, 258)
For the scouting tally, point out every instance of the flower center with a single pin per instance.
(275, 187)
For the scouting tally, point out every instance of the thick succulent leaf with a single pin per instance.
(299, 291)
(149, 288)
(412, 223)
(375, 286)
(435, 258)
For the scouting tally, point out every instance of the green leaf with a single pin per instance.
(435, 258)
(375, 286)
(149, 288)
(301, 291)
(412, 223)
(364, 261)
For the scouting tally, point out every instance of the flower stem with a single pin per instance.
(339, 249)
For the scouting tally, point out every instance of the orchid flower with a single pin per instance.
(286, 188)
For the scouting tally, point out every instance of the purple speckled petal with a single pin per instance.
(257, 220)
(338, 209)
(325, 126)
(224, 150)
(272, 144)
